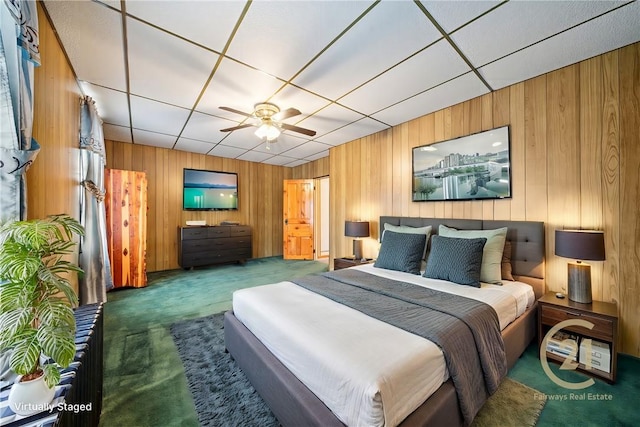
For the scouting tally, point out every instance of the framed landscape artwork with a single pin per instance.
(473, 167)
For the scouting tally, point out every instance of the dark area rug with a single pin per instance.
(222, 394)
(224, 397)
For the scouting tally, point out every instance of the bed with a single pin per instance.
(295, 404)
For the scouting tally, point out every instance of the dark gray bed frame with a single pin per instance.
(295, 405)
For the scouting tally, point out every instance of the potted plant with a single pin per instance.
(37, 325)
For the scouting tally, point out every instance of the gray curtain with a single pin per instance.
(94, 257)
(18, 149)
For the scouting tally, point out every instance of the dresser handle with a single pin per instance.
(571, 313)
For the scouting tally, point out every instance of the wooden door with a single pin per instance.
(298, 219)
(126, 209)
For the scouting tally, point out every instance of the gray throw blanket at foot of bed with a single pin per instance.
(467, 331)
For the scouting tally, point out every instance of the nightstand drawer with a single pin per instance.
(602, 327)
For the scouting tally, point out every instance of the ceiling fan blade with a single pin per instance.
(285, 114)
(298, 129)
(246, 125)
(233, 110)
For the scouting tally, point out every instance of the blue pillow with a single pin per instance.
(456, 259)
(401, 252)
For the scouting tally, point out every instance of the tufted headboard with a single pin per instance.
(526, 237)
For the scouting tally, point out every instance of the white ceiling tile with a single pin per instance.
(154, 139)
(179, 18)
(295, 163)
(193, 146)
(453, 92)
(243, 138)
(284, 143)
(112, 3)
(306, 102)
(329, 119)
(206, 128)
(429, 68)
(308, 149)
(279, 160)
(394, 30)
(525, 22)
(226, 151)
(613, 30)
(111, 104)
(166, 68)
(254, 156)
(281, 37)
(355, 130)
(317, 156)
(237, 86)
(156, 116)
(452, 14)
(92, 37)
(116, 133)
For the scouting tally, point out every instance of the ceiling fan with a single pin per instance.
(269, 121)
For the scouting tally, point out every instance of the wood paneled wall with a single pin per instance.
(575, 147)
(260, 198)
(53, 179)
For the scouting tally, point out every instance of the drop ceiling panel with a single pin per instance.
(237, 86)
(193, 146)
(429, 68)
(307, 149)
(111, 104)
(226, 151)
(567, 48)
(180, 18)
(92, 36)
(358, 129)
(116, 133)
(461, 89)
(452, 14)
(243, 138)
(392, 30)
(279, 160)
(330, 119)
(156, 116)
(525, 22)
(255, 156)
(284, 143)
(153, 139)
(306, 102)
(166, 68)
(206, 128)
(320, 155)
(281, 37)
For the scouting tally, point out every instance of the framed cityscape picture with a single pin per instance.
(473, 167)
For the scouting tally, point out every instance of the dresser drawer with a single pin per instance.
(193, 233)
(215, 232)
(602, 326)
(239, 230)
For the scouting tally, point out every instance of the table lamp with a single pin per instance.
(581, 245)
(357, 229)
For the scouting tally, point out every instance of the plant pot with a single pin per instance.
(30, 397)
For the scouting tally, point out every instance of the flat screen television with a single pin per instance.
(204, 190)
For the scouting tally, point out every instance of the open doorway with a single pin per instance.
(322, 218)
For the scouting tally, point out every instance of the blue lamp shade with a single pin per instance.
(581, 245)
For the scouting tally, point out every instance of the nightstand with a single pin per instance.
(604, 318)
(340, 263)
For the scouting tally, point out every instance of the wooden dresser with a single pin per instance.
(214, 244)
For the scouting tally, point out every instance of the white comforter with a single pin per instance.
(367, 372)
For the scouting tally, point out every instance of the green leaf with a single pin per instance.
(51, 374)
(26, 354)
(58, 344)
(11, 325)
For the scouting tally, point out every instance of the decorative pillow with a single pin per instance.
(401, 252)
(409, 230)
(492, 255)
(506, 262)
(457, 260)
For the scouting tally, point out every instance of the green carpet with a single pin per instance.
(145, 384)
(144, 381)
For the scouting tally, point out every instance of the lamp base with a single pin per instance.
(579, 280)
(357, 249)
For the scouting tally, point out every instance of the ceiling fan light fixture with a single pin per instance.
(267, 131)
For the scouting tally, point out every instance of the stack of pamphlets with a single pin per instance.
(563, 344)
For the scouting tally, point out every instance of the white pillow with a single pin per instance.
(409, 230)
(491, 271)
